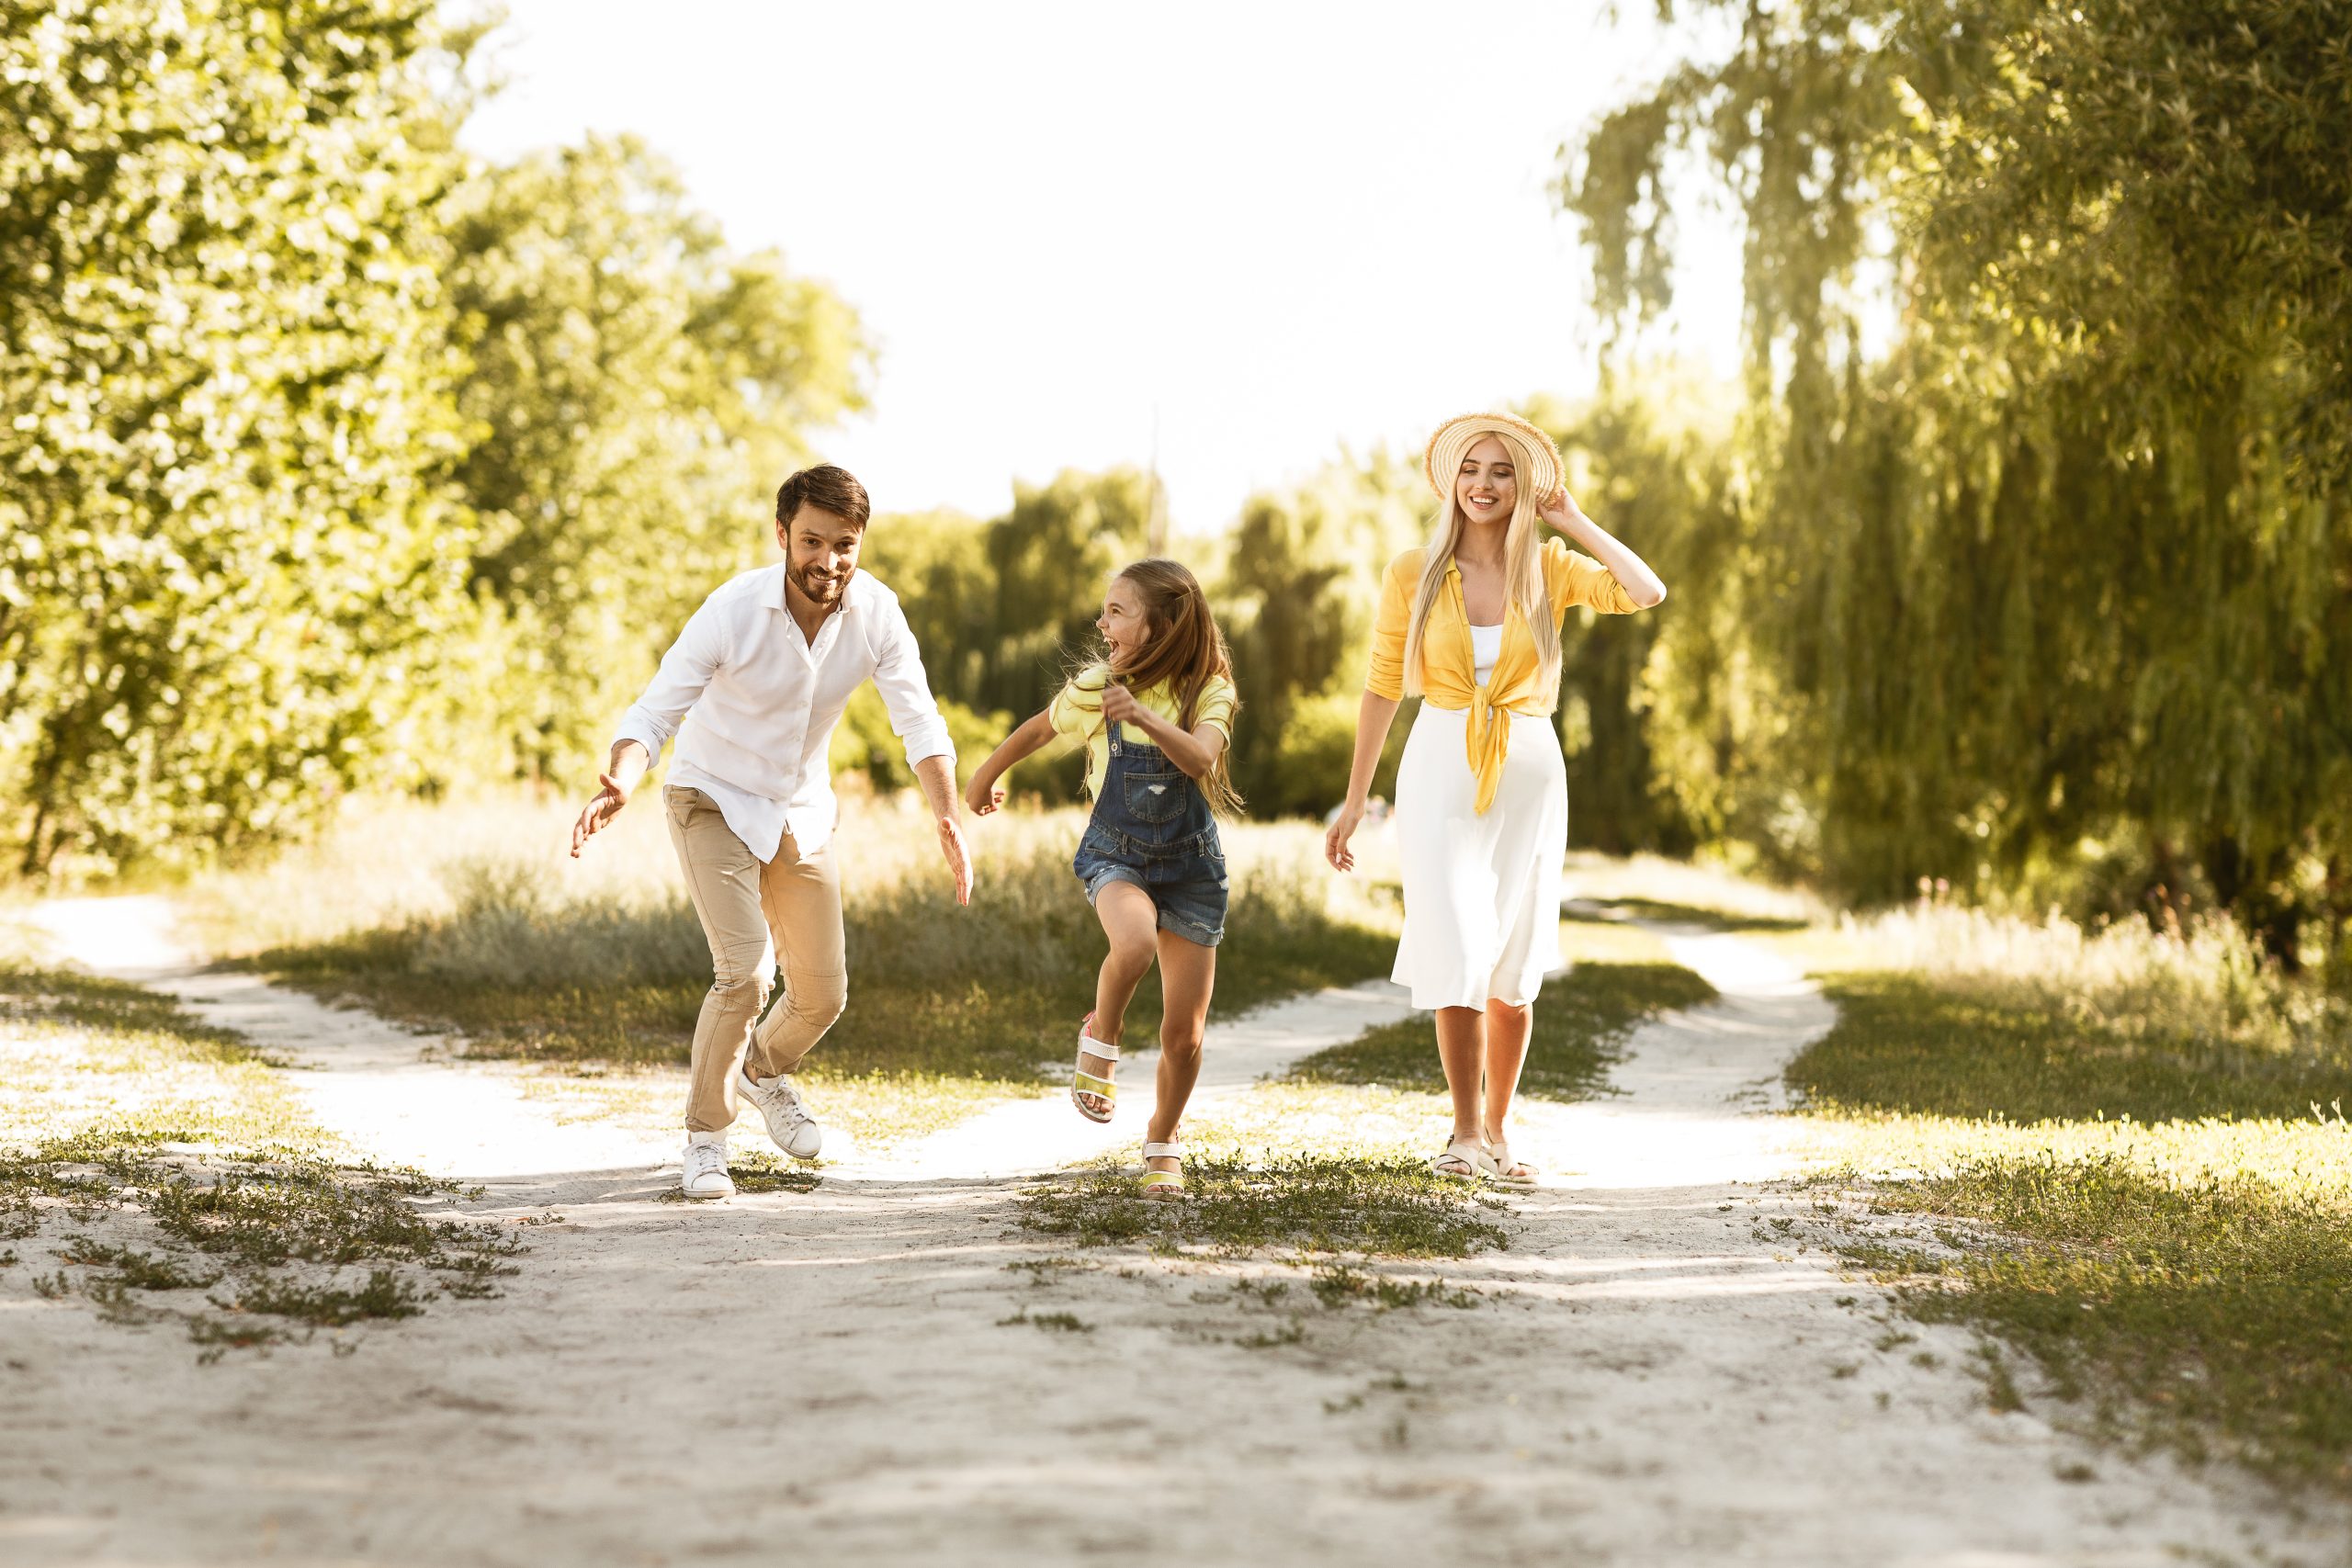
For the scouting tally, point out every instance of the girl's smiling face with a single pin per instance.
(1488, 487)
(1122, 622)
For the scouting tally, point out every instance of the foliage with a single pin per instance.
(2068, 561)
(634, 393)
(334, 459)
(1301, 580)
(231, 545)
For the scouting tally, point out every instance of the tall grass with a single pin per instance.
(2204, 990)
(474, 917)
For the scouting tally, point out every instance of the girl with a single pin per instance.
(1472, 625)
(1155, 713)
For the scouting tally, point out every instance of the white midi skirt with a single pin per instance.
(1482, 894)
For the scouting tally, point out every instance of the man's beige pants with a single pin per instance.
(793, 901)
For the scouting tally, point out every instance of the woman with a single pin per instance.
(1471, 624)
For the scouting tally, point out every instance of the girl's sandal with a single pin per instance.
(1085, 1086)
(1162, 1183)
(1509, 1171)
(1465, 1160)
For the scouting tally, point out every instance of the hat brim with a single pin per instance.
(1458, 434)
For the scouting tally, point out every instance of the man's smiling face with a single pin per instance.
(821, 553)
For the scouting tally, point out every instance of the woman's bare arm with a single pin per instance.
(1374, 717)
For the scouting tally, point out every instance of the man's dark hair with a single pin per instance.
(825, 486)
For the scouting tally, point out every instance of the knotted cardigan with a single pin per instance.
(1449, 667)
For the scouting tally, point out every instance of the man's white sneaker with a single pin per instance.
(706, 1171)
(795, 1131)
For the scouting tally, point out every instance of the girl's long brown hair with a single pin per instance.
(1185, 653)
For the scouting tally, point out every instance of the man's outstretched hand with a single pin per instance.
(603, 807)
(959, 858)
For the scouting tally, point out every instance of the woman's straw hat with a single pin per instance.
(1458, 435)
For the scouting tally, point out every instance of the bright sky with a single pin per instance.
(1247, 233)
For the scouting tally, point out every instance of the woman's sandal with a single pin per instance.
(1086, 1086)
(1499, 1152)
(1163, 1183)
(1468, 1154)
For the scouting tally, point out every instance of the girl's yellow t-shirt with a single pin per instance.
(1076, 711)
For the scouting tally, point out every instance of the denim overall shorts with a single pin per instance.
(1151, 826)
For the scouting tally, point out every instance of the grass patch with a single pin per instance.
(2214, 1315)
(1339, 1284)
(1914, 1044)
(954, 1006)
(756, 1170)
(180, 1164)
(1579, 1022)
(1054, 1322)
(1389, 1207)
(2160, 1214)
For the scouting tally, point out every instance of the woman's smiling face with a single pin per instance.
(1122, 621)
(1487, 487)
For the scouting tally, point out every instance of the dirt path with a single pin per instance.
(1654, 1376)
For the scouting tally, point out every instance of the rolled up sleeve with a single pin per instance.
(1386, 678)
(1578, 579)
(898, 675)
(685, 669)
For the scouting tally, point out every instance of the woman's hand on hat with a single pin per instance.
(1560, 509)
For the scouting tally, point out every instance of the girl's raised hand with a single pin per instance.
(981, 796)
(1119, 704)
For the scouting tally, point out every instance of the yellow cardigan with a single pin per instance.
(1449, 668)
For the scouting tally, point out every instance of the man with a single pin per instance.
(752, 689)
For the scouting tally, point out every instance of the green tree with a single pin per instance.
(1048, 561)
(637, 390)
(1300, 584)
(223, 358)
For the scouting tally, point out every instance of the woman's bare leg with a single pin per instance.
(1461, 1050)
(1187, 976)
(1506, 1030)
(1131, 920)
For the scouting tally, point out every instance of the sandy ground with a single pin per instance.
(1653, 1374)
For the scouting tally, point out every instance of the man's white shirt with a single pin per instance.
(753, 705)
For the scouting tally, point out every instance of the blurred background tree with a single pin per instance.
(2050, 595)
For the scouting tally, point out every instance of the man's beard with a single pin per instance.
(816, 587)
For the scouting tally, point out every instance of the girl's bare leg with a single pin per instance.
(1131, 922)
(1187, 976)
(1461, 1050)
(1507, 1032)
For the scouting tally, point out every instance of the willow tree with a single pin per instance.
(2064, 575)
(230, 549)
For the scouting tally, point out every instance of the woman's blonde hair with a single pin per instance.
(1523, 581)
(1185, 653)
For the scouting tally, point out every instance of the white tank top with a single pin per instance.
(1486, 647)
